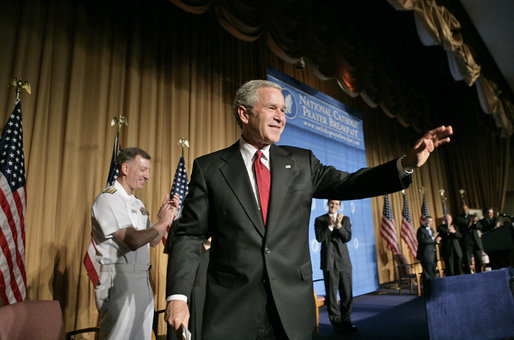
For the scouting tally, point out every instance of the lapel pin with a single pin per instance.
(288, 166)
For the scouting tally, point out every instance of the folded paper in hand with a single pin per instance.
(185, 333)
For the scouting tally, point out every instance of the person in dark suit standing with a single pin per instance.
(254, 199)
(489, 222)
(427, 251)
(463, 222)
(450, 246)
(334, 230)
(472, 240)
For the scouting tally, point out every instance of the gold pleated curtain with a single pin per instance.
(171, 74)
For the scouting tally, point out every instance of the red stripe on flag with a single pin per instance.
(388, 231)
(21, 214)
(3, 291)
(91, 271)
(5, 247)
(407, 234)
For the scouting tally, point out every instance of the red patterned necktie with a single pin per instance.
(262, 175)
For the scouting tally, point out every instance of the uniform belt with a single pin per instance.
(125, 267)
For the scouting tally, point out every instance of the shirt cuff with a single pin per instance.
(177, 297)
(401, 171)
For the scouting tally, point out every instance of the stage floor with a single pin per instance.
(383, 314)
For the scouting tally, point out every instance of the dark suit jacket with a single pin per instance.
(470, 237)
(450, 242)
(426, 246)
(334, 252)
(488, 223)
(221, 204)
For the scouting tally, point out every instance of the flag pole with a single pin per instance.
(443, 201)
(91, 265)
(119, 121)
(13, 287)
(180, 183)
(404, 194)
(184, 143)
(422, 190)
(462, 192)
(20, 84)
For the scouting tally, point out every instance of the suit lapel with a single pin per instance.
(282, 167)
(326, 218)
(236, 176)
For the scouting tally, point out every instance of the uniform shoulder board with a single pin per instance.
(109, 190)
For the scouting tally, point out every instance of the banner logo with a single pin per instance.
(291, 106)
(318, 113)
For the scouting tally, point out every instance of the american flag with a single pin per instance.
(388, 227)
(424, 210)
(179, 187)
(113, 168)
(407, 233)
(13, 279)
(90, 262)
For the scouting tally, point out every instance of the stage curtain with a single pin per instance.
(171, 74)
(331, 41)
(437, 25)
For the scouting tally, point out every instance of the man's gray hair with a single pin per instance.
(247, 95)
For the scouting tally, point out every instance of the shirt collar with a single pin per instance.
(122, 190)
(248, 150)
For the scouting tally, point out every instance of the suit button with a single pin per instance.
(267, 251)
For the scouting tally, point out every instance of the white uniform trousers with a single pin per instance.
(124, 299)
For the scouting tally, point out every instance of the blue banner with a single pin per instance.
(320, 114)
(335, 135)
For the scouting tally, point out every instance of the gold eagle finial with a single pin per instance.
(20, 84)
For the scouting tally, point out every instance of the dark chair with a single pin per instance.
(32, 320)
(319, 301)
(407, 271)
(155, 326)
(39, 319)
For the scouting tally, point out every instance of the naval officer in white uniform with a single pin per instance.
(122, 233)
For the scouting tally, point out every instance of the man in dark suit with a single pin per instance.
(334, 230)
(450, 246)
(463, 222)
(489, 222)
(254, 199)
(427, 251)
(472, 240)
